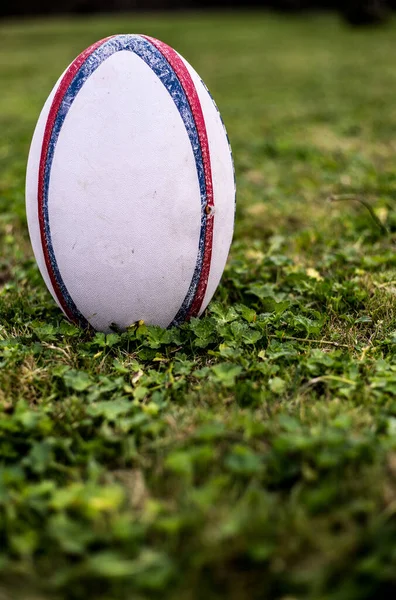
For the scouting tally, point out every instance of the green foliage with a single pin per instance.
(252, 453)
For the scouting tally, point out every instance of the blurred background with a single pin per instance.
(357, 12)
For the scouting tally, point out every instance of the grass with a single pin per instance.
(250, 454)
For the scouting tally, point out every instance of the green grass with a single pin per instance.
(250, 454)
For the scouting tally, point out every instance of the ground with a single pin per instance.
(250, 454)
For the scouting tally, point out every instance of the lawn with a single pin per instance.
(250, 454)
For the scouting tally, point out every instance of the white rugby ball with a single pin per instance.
(130, 187)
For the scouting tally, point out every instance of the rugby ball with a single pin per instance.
(130, 187)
